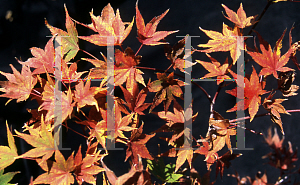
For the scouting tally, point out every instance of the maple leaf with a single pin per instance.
(177, 56)
(239, 19)
(8, 154)
(68, 40)
(272, 61)
(85, 95)
(59, 173)
(175, 123)
(219, 132)
(86, 168)
(285, 81)
(136, 145)
(295, 45)
(44, 60)
(125, 69)
(274, 141)
(182, 156)
(274, 107)
(165, 87)
(69, 74)
(215, 69)
(100, 70)
(5, 178)
(19, 85)
(121, 124)
(107, 25)
(252, 91)
(135, 101)
(210, 155)
(125, 178)
(49, 102)
(40, 138)
(147, 35)
(228, 41)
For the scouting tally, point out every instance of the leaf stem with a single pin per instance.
(139, 49)
(89, 54)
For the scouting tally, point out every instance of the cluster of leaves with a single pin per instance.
(40, 81)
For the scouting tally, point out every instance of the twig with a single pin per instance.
(259, 115)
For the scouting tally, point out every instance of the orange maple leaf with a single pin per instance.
(252, 91)
(274, 107)
(182, 156)
(108, 24)
(43, 60)
(58, 173)
(69, 39)
(147, 35)
(210, 155)
(215, 69)
(84, 94)
(165, 87)
(177, 56)
(127, 178)
(86, 168)
(69, 74)
(228, 41)
(271, 61)
(49, 102)
(239, 19)
(219, 132)
(19, 85)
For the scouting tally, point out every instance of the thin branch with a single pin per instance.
(74, 131)
(259, 115)
(261, 15)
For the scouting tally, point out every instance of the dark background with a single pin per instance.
(26, 29)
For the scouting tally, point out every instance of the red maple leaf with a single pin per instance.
(136, 145)
(135, 101)
(271, 61)
(125, 69)
(252, 91)
(147, 35)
